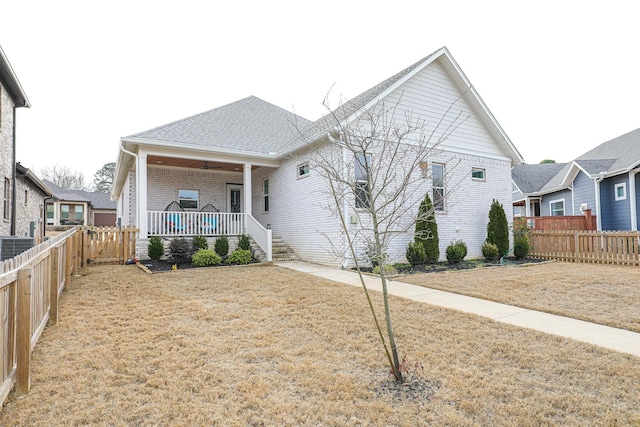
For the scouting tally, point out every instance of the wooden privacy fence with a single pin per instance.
(609, 247)
(109, 244)
(30, 287)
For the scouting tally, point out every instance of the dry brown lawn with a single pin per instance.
(605, 294)
(269, 346)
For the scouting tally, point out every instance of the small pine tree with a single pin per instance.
(426, 233)
(498, 228)
(221, 246)
(155, 250)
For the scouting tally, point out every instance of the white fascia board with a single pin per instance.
(204, 153)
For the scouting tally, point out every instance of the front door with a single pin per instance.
(234, 198)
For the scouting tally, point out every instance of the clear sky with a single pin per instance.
(561, 77)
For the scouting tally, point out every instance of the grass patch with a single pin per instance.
(605, 294)
(266, 345)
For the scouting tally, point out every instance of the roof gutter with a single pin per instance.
(135, 156)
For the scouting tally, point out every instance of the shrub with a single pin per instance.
(498, 228)
(181, 249)
(415, 254)
(200, 242)
(221, 246)
(456, 251)
(205, 257)
(239, 256)
(426, 233)
(372, 255)
(490, 251)
(244, 242)
(388, 269)
(521, 246)
(155, 248)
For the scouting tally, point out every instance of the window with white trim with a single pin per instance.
(477, 174)
(556, 207)
(265, 194)
(5, 198)
(437, 185)
(620, 191)
(188, 199)
(303, 170)
(362, 164)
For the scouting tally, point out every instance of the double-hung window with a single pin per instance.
(5, 198)
(362, 166)
(265, 194)
(437, 185)
(556, 207)
(188, 199)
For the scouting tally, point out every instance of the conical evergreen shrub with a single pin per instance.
(426, 233)
(498, 228)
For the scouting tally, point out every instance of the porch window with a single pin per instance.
(5, 198)
(64, 212)
(621, 191)
(49, 211)
(303, 170)
(437, 186)
(265, 194)
(362, 166)
(188, 199)
(477, 174)
(78, 212)
(556, 207)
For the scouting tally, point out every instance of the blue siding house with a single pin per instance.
(605, 180)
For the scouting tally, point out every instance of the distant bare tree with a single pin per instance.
(64, 177)
(376, 166)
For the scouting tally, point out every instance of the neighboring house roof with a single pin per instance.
(65, 195)
(616, 156)
(532, 179)
(250, 125)
(26, 173)
(619, 155)
(101, 201)
(11, 83)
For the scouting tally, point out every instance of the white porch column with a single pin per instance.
(632, 199)
(141, 194)
(247, 188)
(598, 211)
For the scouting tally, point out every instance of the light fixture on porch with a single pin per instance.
(206, 166)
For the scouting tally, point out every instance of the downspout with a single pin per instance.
(598, 210)
(345, 205)
(632, 199)
(135, 156)
(13, 178)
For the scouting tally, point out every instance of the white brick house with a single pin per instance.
(248, 160)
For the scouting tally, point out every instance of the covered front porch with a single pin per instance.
(209, 196)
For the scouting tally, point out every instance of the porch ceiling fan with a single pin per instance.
(206, 166)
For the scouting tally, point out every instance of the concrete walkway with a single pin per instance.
(592, 333)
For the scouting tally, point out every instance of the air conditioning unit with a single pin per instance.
(11, 246)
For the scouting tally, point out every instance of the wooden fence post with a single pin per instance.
(23, 334)
(67, 267)
(86, 252)
(53, 286)
(76, 253)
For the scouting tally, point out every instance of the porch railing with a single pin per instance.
(162, 223)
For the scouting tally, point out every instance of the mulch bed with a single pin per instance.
(464, 265)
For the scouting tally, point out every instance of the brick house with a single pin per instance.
(243, 167)
(23, 193)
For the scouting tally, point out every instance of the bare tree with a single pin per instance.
(374, 169)
(64, 177)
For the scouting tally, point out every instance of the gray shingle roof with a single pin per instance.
(97, 200)
(623, 152)
(533, 178)
(100, 200)
(250, 125)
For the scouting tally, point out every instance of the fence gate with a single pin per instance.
(109, 244)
